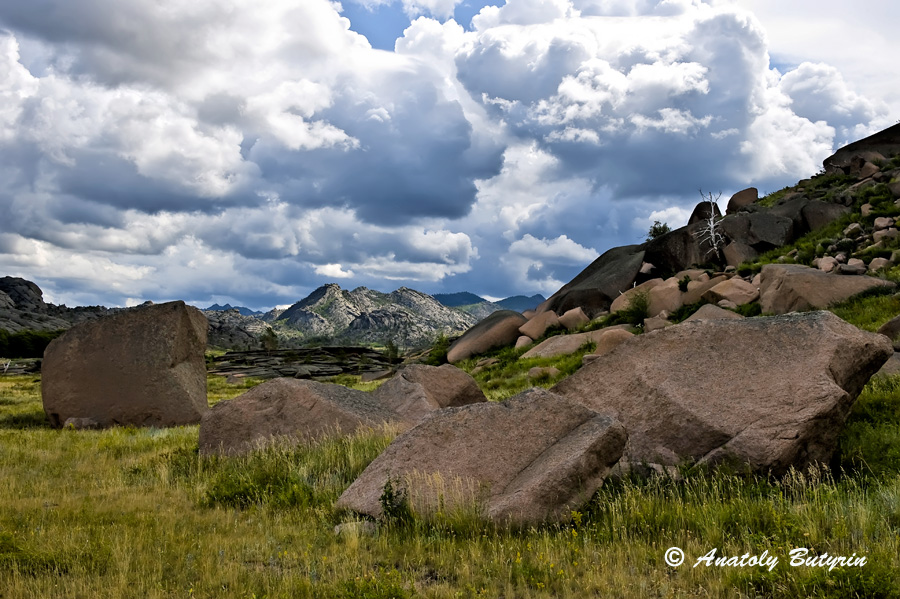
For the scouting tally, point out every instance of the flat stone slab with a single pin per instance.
(527, 460)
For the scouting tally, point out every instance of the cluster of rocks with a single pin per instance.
(711, 392)
(302, 363)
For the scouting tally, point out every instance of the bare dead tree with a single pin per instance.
(710, 233)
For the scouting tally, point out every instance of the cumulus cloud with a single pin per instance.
(245, 151)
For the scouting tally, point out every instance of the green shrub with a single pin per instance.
(657, 229)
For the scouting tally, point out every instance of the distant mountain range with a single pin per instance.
(405, 317)
(328, 316)
(241, 309)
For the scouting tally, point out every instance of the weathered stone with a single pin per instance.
(676, 250)
(853, 230)
(475, 458)
(895, 188)
(293, 410)
(892, 366)
(697, 289)
(703, 211)
(655, 323)
(791, 383)
(694, 274)
(497, 330)
(884, 143)
(867, 170)
(417, 390)
(143, 367)
(561, 345)
(574, 319)
(879, 263)
(609, 339)
(524, 341)
(624, 300)
(741, 199)
(601, 282)
(850, 269)
(865, 209)
(734, 290)
(538, 325)
(539, 372)
(883, 222)
(788, 287)
(890, 233)
(711, 312)
(647, 268)
(819, 214)
(287, 409)
(738, 252)
(891, 330)
(665, 297)
(826, 263)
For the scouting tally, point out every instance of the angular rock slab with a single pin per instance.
(417, 390)
(286, 408)
(788, 287)
(292, 409)
(762, 393)
(527, 460)
(143, 367)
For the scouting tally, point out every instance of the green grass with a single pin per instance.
(129, 512)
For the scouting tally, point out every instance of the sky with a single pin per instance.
(245, 152)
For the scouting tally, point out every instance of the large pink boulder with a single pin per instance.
(143, 367)
(530, 459)
(764, 394)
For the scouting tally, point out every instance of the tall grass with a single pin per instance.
(129, 512)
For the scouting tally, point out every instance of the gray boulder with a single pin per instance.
(791, 381)
(594, 288)
(143, 367)
(527, 460)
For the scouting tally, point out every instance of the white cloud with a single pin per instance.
(334, 271)
(257, 150)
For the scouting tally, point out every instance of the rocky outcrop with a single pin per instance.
(144, 366)
(475, 458)
(497, 330)
(597, 285)
(294, 410)
(790, 287)
(791, 381)
(885, 143)
(230, 329)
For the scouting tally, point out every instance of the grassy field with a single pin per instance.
(137, 513)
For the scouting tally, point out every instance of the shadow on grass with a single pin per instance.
(26, 420)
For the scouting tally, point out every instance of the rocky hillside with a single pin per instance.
(405, 317)
(808, 246)
(22, 308)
